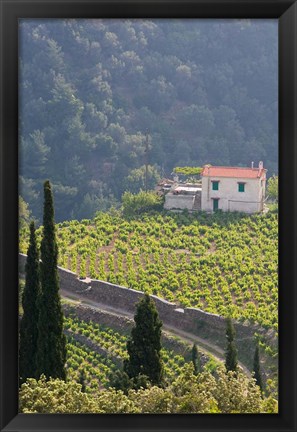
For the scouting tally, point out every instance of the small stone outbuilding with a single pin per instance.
(183, 196)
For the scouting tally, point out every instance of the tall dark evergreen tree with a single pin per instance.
(231, 351)
(51, 354)
(196, 359)
(82, 380)
(257, 368)
(28, 326)
(144, 346)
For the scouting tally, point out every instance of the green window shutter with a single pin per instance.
(215, 185)
(241, 187)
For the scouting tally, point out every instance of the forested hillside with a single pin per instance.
(90, 90)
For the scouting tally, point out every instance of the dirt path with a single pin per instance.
(205, 346)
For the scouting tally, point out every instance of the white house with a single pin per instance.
(233, 188)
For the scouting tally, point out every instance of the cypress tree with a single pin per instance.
(196, 360)
(120, 381)
(231, 351)
(257, 368)
(28, 325)
(51, 353)
(144, 345)
(82, 380)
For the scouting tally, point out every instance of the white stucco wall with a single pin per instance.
(179, 201)
(230, 199)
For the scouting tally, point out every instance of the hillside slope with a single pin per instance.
(224, 263)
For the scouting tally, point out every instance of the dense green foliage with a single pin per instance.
(204, 393)
(140, 179)
(29, 322)
(143, 201)
(206, 91)
(188, 171)
(222, 263)
(231, 362)
(24, 213)
(54, 396)
(272, 188)
(51, 349)
(144, 345)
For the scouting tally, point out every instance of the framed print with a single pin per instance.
(147, 247)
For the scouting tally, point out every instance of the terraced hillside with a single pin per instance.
(98, 351)
(222, 263)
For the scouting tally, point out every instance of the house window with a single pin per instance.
(215, 185)
(241, 187)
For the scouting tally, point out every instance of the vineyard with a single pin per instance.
(221, 263)
(98, 368)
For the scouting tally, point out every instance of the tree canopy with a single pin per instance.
(144, 346)
(51, 347)
(134, 204)
(272, 188)
(231, 362)
(204, 393)
(187, 170)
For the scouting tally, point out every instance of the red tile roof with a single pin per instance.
(220, 171)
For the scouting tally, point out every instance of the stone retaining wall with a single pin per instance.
(208, 326)
(85, 313)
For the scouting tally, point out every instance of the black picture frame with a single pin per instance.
(13, 10)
